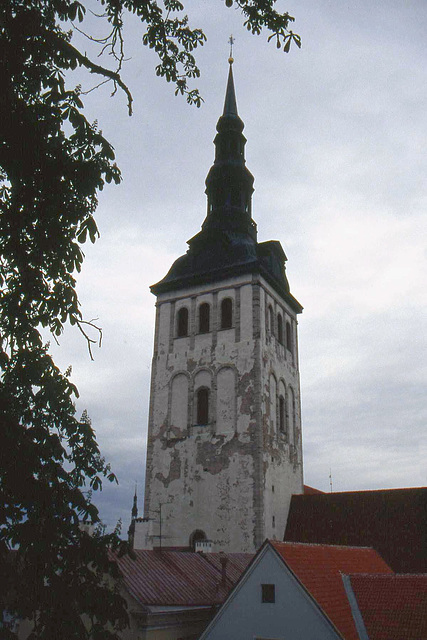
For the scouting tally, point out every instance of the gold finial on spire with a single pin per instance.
(231, 42)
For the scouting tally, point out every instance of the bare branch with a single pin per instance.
(84, 61)
(85, 93)
(90, 341)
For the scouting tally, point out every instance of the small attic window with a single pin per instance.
(268, 593)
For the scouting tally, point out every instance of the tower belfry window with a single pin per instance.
(182, 322)
(270, 320)
(280, 328)
(204, 318)
(226, 313)
(288, 336)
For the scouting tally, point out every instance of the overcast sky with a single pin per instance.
(337, 144)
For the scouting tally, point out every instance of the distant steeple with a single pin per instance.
(135, 506)
(134, 516)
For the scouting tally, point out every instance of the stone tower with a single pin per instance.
(224, 438)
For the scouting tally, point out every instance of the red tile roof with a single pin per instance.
(320, 569)
(177, 578)
(310, 490)
(392, 521)
(393, 607)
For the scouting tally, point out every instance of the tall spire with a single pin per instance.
(135, 505)
(230, 104)
(229, 184)
(134, 517)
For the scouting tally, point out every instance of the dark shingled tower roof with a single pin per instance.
(227, 244)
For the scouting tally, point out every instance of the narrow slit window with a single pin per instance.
(271, 320)
(282, 423)
(288, 336)
(226, 313)
(280, 328)
(182, 324)
(204, 318)
(202, 406)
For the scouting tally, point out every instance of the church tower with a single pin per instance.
(224, 437)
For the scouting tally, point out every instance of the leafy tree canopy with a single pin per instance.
(53, 162)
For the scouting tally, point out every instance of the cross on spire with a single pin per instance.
(231, 42)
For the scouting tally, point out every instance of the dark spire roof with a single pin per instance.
(227, 243)
(229, 184)
(230, 103)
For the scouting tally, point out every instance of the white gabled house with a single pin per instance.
(269, 602)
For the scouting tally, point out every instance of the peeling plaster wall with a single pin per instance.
(218, 477)
(282, 450)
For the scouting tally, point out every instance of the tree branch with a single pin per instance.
(84, 61)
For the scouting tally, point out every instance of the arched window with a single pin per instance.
(291, 420)
(182, 322)
(270, 320)
(280, 328)
(282, 412)
(226, 313)
(202, 416)
(288, 336)
(197, 536)
(204, 318)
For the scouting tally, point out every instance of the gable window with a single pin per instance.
(268, 593)
(288, 336)
(182, 323)
(282, 411)
(226, 313)
(204, 318)
(202, 416)
(280, 328)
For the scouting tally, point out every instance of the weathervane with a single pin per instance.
(231, 42)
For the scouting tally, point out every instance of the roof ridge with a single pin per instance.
(335, 493)
(322, 544)
(390, 575)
